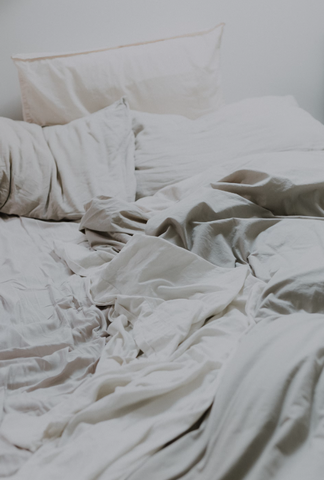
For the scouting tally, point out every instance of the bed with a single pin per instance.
(161, 272)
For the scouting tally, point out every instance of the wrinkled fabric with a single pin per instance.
(267, 417)
(170, 148)
(209, 307)
(51, 173)
(171, 330)
(50, 333)
(268, 217)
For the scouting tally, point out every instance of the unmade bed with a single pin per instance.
(161, 286)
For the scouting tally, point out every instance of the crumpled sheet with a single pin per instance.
(174, 323)
(50, 332)
(182, 289)
(267, 416)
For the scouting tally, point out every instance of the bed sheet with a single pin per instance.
(192, 295)
(49, 330)
(131, 330)
(136, 402)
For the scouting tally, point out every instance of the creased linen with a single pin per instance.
(266, 217)
(50, 333)
(175, 298)
(170, 148)
(267, 417)
(51, 173)
(185, 319)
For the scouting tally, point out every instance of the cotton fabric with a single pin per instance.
(52, 172)
(171, 148)
(193, 327)
(179, 75)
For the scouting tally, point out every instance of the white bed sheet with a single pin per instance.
(229, 256)
(49, 330)
(163, 291)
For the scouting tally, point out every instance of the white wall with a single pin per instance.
(269, 46)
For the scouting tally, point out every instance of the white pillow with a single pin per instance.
(179, 75)
(170, 148)
(52, 172)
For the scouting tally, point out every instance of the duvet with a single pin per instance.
(194, 333)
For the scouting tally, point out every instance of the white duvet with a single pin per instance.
(189, 290)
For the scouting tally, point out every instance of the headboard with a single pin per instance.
(274, 47)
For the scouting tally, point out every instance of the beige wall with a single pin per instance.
(269, 46)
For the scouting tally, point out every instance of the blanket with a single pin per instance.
(206, 289)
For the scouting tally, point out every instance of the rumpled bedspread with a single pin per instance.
(211, 293)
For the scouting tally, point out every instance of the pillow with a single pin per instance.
(170, 148)
(179, 75)
(51, 172)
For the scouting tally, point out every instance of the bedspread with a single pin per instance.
(205, 289)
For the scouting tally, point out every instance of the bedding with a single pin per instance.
(189, 322)
(267, 417)
(171, 148)
(179, 75)
(50, 332)
(50, 173)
